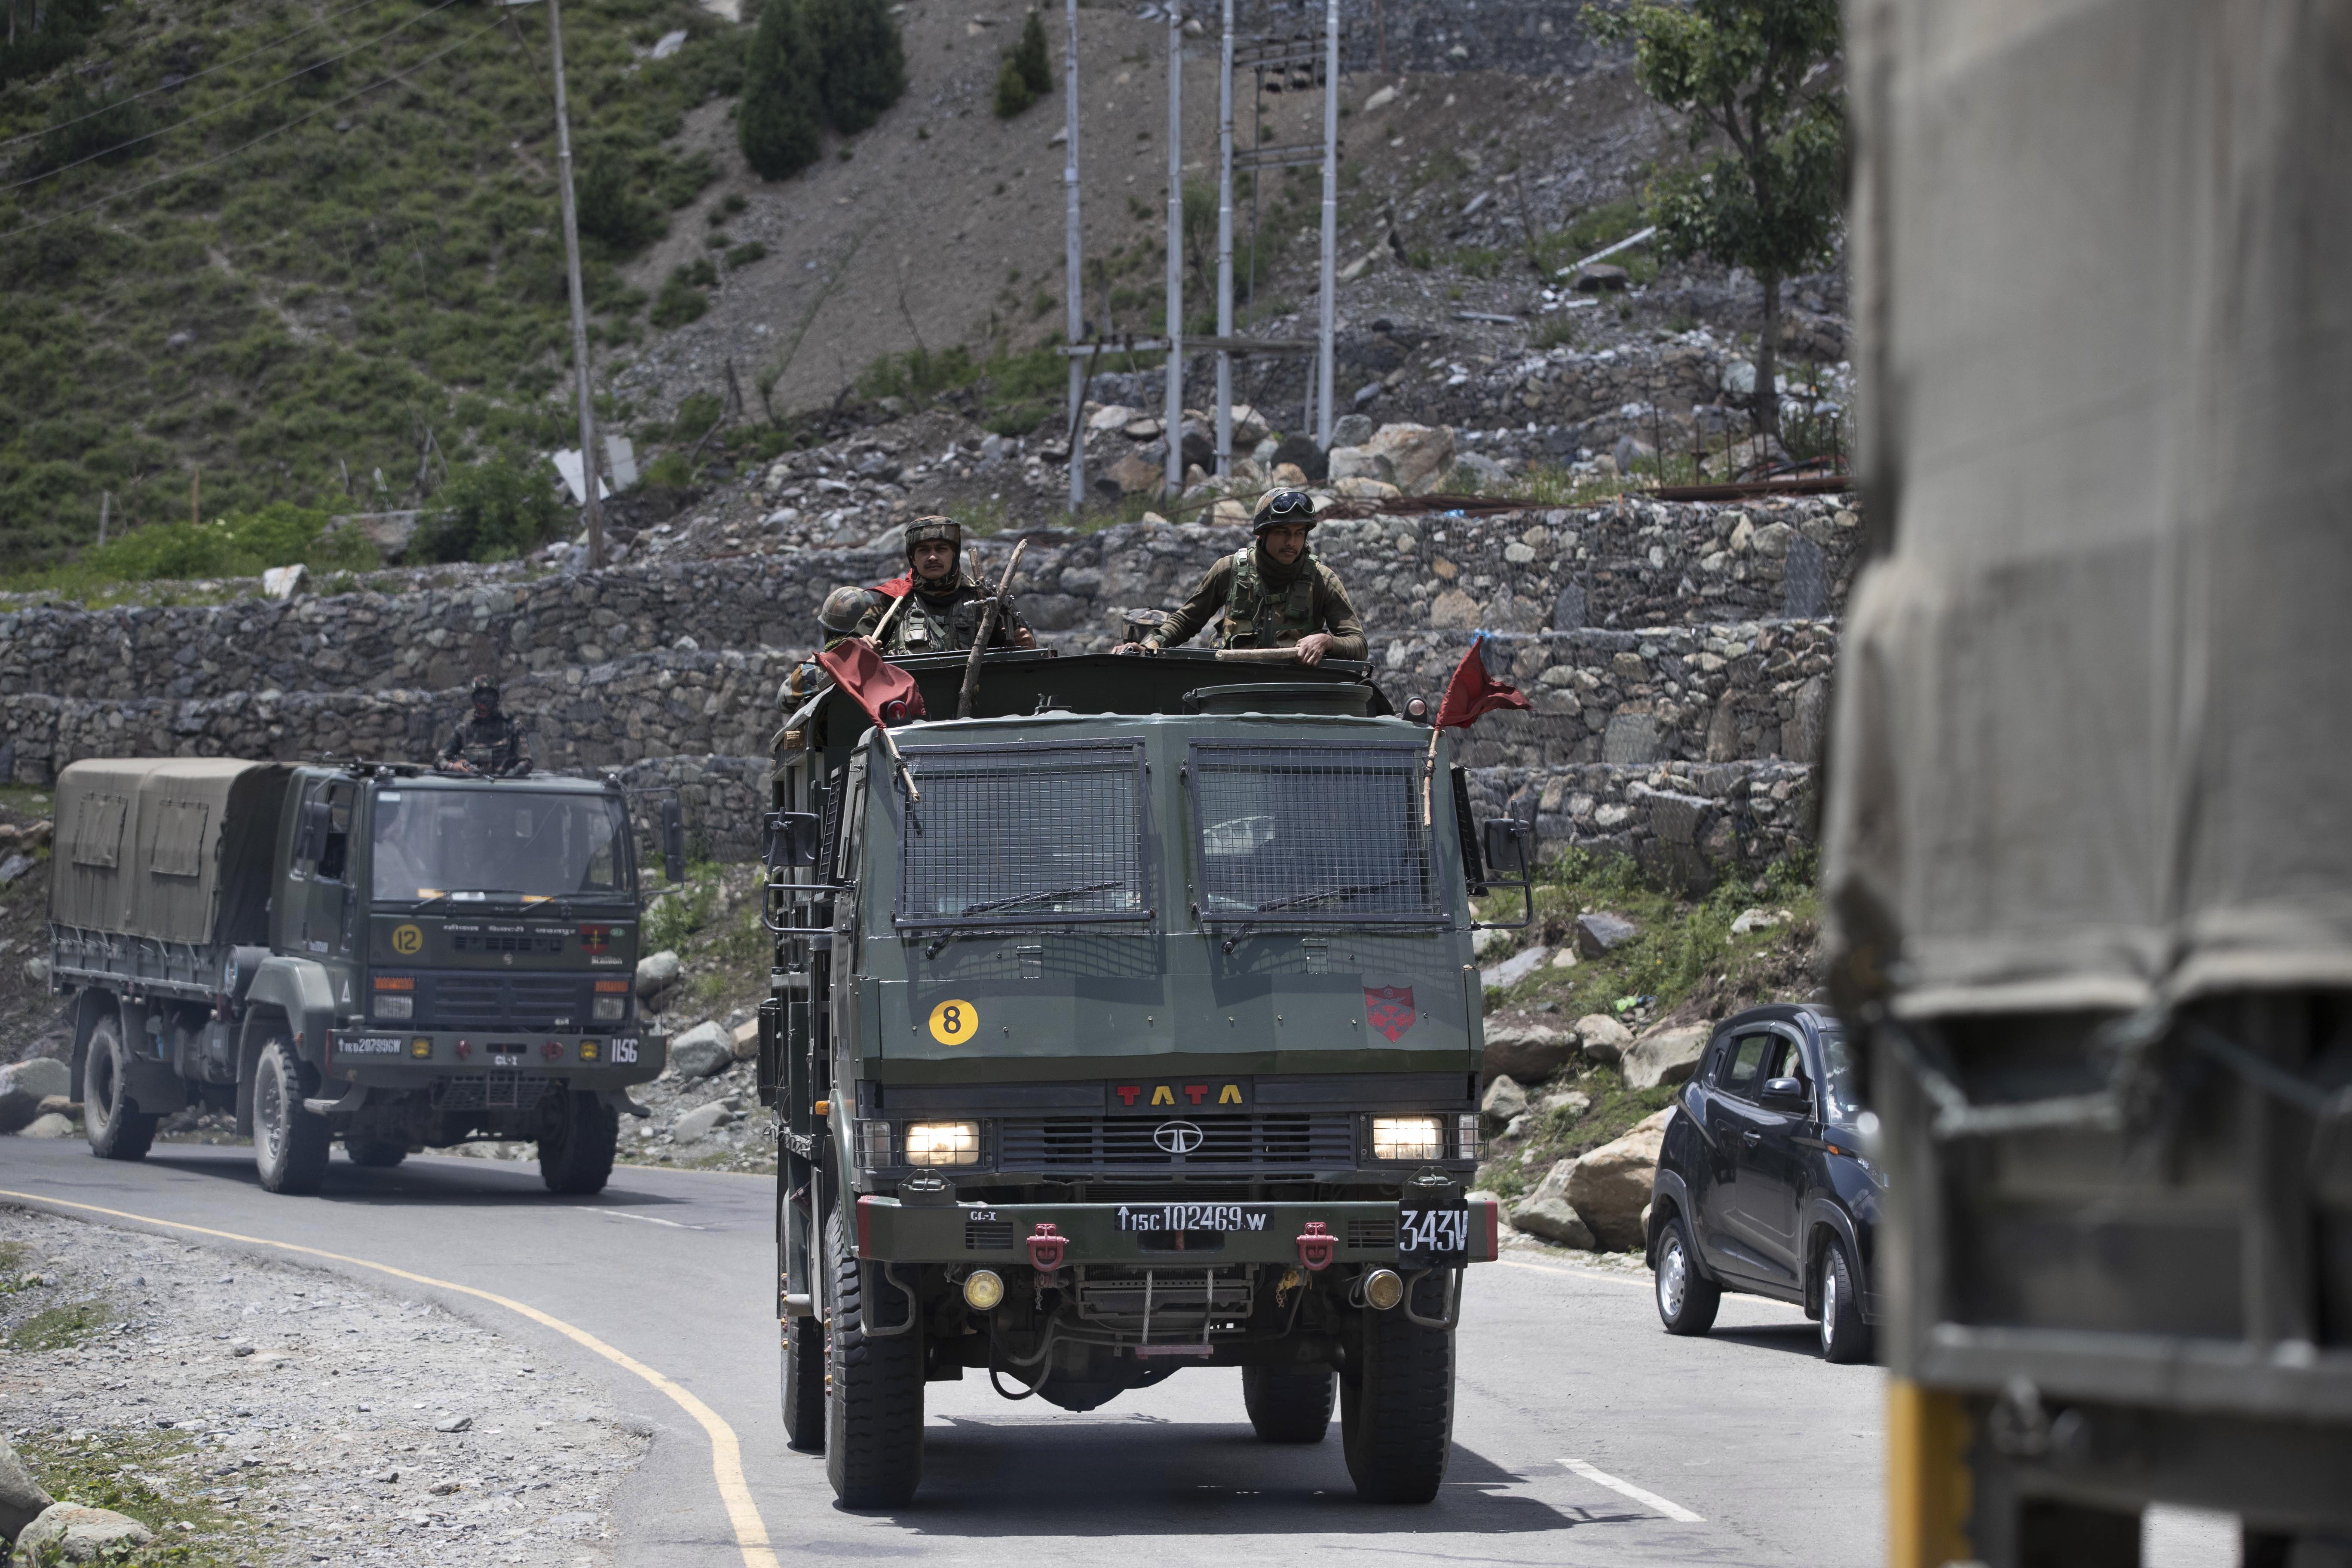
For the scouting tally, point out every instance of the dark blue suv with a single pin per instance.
(1762, 1186)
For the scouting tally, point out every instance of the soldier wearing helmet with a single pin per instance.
(487, 741)
(847, 612)
(1270, 594)
(943, 608)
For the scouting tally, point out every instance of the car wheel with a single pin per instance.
(1287, 1406)
(110, 1120)
(289, 1144)
(1687, 1298)
(1845, 1337)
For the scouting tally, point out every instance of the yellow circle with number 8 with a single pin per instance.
(954, 1023)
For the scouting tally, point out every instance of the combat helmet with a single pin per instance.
(843, 608)
(1287, 507)
(485, 689)
(946, 531)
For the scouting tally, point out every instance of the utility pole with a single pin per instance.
(594, 512)
(1326, 327)
(1225, 248)
(1173, 415)
(1074, 260)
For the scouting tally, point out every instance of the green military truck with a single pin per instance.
(374, 953)
(1127, 1026)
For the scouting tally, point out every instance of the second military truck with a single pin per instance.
(374, 952)
(1128, 1026)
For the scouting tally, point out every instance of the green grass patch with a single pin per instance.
(113, 1470)
(60, 1328)
(1564, 1132)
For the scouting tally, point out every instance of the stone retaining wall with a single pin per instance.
(1690, 825)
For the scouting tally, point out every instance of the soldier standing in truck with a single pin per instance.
(487, 740)
(942, 611)
(1270, 594)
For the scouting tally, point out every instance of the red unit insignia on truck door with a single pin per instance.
(1388, 1009)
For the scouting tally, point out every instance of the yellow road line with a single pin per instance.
(726, 1448)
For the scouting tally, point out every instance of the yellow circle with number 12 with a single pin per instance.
(954, 1023)
(408, 940)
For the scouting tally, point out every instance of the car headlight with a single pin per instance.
(389, 1005)
(609, 1009)
(942, 1143)
(1408, 1138)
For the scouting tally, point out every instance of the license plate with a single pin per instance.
(1435, 1236)
(1159, 1218)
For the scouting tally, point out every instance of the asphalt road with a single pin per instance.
(1746, 1447)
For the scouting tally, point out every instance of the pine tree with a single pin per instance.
(1012, 94)
(862, 63)
(1036, 65)
(779, 117)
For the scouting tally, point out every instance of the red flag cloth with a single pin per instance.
(888, 693)
(897, 586)
(1471, 691)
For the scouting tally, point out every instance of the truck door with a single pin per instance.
(325, 916)
(1771, 1162)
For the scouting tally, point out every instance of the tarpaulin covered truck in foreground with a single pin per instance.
(378, 954)
(2089, 814)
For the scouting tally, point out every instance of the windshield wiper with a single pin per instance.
(1345, 890)
(420, 905)
(1041, 894)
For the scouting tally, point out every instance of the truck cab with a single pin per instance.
(1127, 1026)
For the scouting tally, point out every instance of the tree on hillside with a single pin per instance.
(862, 64)
(1765, 76)
(782, 111)
(1036, 65)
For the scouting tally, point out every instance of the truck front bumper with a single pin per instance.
(413, 1059)
(1166, 1235)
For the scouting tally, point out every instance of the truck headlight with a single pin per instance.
(942, 1143)
(609, 1009)
(390, 1005)
(1408, 1138)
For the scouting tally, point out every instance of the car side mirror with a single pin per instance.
(1784, 1091)
(794, 838)
(673, 840)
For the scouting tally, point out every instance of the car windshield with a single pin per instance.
(461, 844)
(1840, 1093)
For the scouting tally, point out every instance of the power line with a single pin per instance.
(206, 163)
(232, 103)
(193, 76)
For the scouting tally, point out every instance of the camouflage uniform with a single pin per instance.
(492, 745)
(943, 619)
(1259, 603)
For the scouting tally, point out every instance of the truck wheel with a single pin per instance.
(1396, 1414)
(805, 1384)
(115, 1131)
(376, 1154)
(289, 1144)
(873, 1394)
(575, 1154)
(1287, 1406)
(1845, 1337)
(1687, 1300)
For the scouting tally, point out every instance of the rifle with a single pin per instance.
(987, 630)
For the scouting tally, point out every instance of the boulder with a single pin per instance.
(1504, 1099)
(68, 1532)
(1110, 417)
(1475, 471)
(1554, 1220)
(745, 1039)
(1603, 1038)
(1758, 920)
(1362, 463)
(1599, 931)
(14, 867)
(22, 1498)
(1364, 489)
(1574, 1101)
(1610, 1186)
(51, 1125)
(1494, 939)
(657, 972)
(703, 1051)
(1133, 476)
(700, 1122)
(1454, 610)
(1421, 455)
(25, 1085)
(1528, 1054)
(285, 582)
(1350, 430)
(1665, 1055)
(1517, 967)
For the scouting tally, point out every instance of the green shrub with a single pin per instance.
(679, 301)
(782, 107)
(862, 65)
(612, 212)
(743, 255)
(92, 124)
(1012, 94)
(491, 511)
(1036, 65)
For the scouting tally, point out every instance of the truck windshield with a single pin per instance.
(1314, 833)
(1840, 1096)
(441, 842)
(1028, 834)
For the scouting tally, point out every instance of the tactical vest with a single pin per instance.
(1258, 616)
(924, 627)
(491, 745)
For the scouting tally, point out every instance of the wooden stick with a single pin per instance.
(987, 630)
(1258, 654)
(882, 627)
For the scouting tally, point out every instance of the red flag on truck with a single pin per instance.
(888, 693)
(896, 587)
(1471, 691)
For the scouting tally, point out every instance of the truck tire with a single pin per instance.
(805, 1384)
(1396, 1412)
(116, 1130)
(376, 1154)
(1845, 1337)
(575, 1154)
(1287, 1405)
(1687, 1300)
(874, 1392)
(289, 1144)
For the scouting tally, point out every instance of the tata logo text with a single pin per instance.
(1152, 1096)
(1178, 1137)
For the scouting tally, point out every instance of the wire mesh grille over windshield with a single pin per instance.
(1306, 834)
(1028, 834)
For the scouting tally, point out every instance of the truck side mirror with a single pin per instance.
(311, 832)
(1510, 846)
(794, 838)
(673, 840)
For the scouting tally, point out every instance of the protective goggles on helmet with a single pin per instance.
(1290, 506)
